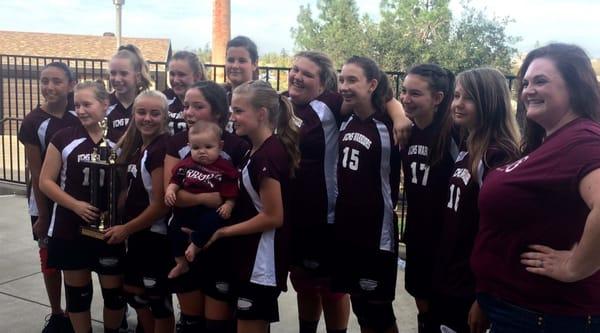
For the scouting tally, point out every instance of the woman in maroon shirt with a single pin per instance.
(549, 198)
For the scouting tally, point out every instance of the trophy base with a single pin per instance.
(93, 232)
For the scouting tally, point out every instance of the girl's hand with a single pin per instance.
(86, 211)
(546, 261)
(220, 233)
(170, 198)
(225, 210)
(116, 234)
(40, 227)
(402, 129)
(191, 252)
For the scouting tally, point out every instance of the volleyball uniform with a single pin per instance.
(425, 189)
(67, 248)
(176, 122)
(536, 200)
(219, 176)
(453, 280)
(148, 258)
(259, 261)
(37, 129)
(314, 187)
(365, 229)
(118, 118)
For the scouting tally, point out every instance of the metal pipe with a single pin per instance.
(118, 5)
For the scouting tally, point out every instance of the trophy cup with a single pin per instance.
(105, 180)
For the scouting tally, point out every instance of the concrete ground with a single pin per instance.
(24, 304)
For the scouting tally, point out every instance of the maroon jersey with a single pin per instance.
(176, 122)
(74, 145)
(234, 147)
(140, 189)
(314, 187)
(452, 274)
(261, 258)
(118, 118)
(425, 190)
(536, 200)
(368, 172)
(220, 176)
(37, 128)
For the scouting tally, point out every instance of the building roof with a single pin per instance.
(78, 46)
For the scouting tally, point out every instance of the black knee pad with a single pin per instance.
(220, 326)
(79, 299)
(377, 316)
(191, 324)
(136, 301)
(161, 307)
(113, 298)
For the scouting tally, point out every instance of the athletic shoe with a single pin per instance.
(53, 323)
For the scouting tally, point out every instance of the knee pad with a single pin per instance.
(113, 298)
(377, 316)
(136, 301)
(220, 326)
(191, 324)
(44, 262)
(161, 307)
(79, 299)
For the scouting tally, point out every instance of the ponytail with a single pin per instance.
(288, 131)
(281, 116)
(134, 55)
(383, 91)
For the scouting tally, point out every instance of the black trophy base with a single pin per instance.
(93, 232)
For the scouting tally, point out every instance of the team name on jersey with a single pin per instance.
(463, 174)
(120, 122)
(175, 115)
(84, 157)
(418, 150)
(203, 177)
(358, 137)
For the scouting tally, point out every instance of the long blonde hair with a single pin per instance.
(281, 116)
(496, 123)
(134, 55)
(131, 141)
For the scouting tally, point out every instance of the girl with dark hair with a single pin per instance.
(482, 110)
(368, 173)
(128, 76)
(536, 253)
(65, 180)
(257, 234)
(204, 297)
(241, 64)
(38, 127)
(427, 160)
(185, 69)
(147, 261)
(313, 90)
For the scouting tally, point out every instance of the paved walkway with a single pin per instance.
(24, 305)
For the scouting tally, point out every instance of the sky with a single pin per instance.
(188, 22)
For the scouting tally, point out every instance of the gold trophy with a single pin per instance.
(106, 181)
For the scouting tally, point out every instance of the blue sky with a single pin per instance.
(188, 22)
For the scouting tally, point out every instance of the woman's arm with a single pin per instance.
(271, 216)
(583, 259)
(154, 211)
(402, 125)
(33, 155)
(49, 175)
(185, 198)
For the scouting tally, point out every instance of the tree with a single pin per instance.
(338, 31)
(409, 32)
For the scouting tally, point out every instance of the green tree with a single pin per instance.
(338, 30)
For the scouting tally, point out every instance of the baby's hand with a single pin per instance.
(170, 198)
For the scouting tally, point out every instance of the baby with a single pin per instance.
(203, 171)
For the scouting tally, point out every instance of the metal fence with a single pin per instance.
(20, 93)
